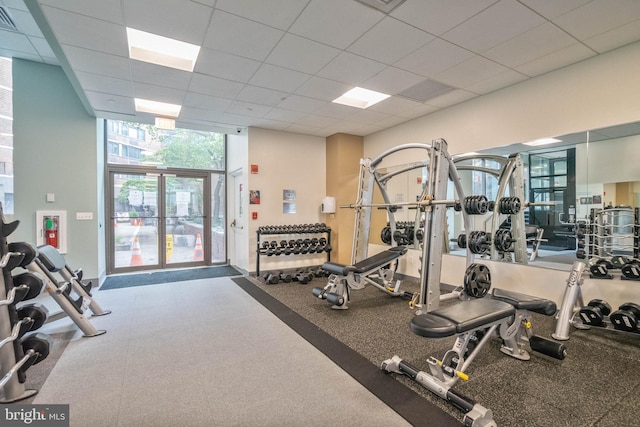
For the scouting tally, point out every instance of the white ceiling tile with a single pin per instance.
(146, 72)
(337, 111)
(275, 13)
(82, 31)
(17, 42)
(316, 121)
(469, 72)
(206, 2)
(239, 36)
(15, 4)
(158, 93)
(540, 41)
(301, 54)
(197, 113)
(260, 95)
(42, 46)
(434, 57)
(452, 98)
(301, 103)
(398, 106)
(425, 89)
(335, 22)
(108, 10)
(351, 69)
(368, 116)
(185, 21)
(97, 62)
(109, 102)
(213, 103)
(598, 16)
(247, 109)
(555, 60)
(305, 130)
(494, 25)
(392, 80)
(225, 65)
(437, 16)
(278, 78)
(214, 86)
(497, 81)
(324, 89)
(270, 124)
(615, 38)
(394, 121)
(553, 8)
(106, 84)
(389, 40)
(25, 23)
(284, 115)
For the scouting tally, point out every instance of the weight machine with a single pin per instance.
(430, 207)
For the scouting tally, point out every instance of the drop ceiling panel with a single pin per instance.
(278, 78)
(97, 62)
(322, 89)
(555, 60)
(42, 47)
(337, 23)
(494, 25)
(551, 9)
(469, 72)
(239, 36)
(214, 86)
(619, 36)
(247, 109)
(225, 65)
(261, 95)
(213, 103)
(301, 103)
(389, 41)
(106, 84)
(392, 80)
(598, 16)
(434, 57)
(425, 90)
(401, 107)
(437, 16)
(496, 81)
(452, 98)
(25, 22)
(350, 68)
(158, 93)
(159, 75)
(18, 42)
(297, 53)
(109, 102)
(108, 10)
(275, 13)
(89, 33)
(284, 115)
(186, 21)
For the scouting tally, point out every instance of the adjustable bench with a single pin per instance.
(504, 314)
(344, 277)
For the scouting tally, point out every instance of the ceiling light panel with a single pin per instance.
(161, 50)
(158, 108)
(361, 98)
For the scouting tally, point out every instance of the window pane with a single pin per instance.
(142, 144)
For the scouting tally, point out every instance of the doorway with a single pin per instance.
(158, 219)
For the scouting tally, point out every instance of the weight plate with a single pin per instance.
(477, 280)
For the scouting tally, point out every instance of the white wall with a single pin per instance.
(285, 161)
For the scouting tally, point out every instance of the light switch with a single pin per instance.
(51, 197)
(84, 216)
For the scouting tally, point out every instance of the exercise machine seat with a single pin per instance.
(51, 258)
(525, 302)
(366, 265)
(460, 318)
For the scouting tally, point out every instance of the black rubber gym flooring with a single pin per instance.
(598, 384)
(166, 276)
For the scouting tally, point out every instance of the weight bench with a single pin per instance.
(504, 314)
(374, 270)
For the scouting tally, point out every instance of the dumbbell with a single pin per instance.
(600, 269)
(33, 316)
(619, 261)
(594, 313)
(286, 277)
(304, 277)
(626, 317)
(631, 270)
(271, 279)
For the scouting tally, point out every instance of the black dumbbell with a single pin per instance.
(303, 277)
(270, 279)
(626, 317)
(600, 269)
(618, 261)
(286, 277)
(631, 270)
(594, 313)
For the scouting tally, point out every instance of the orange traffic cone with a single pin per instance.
(198, 253)
(136, 256)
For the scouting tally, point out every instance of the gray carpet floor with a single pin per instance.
(598, 384)
(201, 353)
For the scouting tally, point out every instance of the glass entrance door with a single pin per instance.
(158, 220)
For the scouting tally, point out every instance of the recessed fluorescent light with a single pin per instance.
(159, 108)
(542, 141)
(361, 98)
(165, 123)
(161, 50)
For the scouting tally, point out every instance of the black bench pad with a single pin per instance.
(366, 265)
(525, 302)
(50, 258)
(462, 317)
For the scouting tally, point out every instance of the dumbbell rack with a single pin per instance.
(293, 230)
(604, 235)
